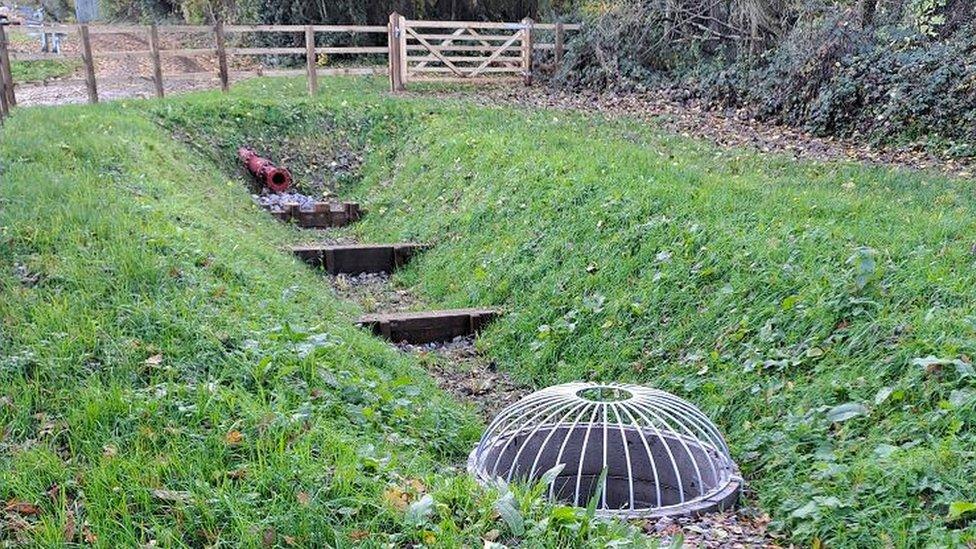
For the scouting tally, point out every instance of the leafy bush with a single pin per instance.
(892, 71)
(890, 85)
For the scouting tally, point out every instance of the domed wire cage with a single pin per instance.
(658, 454)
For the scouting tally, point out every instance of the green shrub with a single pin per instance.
(890, 72)
(887, 86)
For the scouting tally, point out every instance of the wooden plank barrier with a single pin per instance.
(321, 215)
(428, 326)
(354, 259)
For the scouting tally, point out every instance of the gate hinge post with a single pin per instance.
(527, 25)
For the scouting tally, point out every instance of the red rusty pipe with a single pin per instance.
(275, 178)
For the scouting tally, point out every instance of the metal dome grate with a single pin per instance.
(661, 454)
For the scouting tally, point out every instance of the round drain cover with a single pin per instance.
(656, 453)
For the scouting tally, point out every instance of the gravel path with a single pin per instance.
(470, 376)
(64, 93)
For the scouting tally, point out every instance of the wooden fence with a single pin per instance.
(414, 50)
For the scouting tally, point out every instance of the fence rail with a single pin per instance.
(415, 51)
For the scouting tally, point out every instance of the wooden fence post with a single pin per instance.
(157, 64)
(4, 109)
(402, 63)
(393, 52)
(560, 47)
(221, 55)
(310, 60)
(5, 72)
(527, 24)
(89, 61)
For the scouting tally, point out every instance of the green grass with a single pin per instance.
(766, 290)
(28, 72)
(168, 374)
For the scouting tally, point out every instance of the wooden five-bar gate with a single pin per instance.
(460, 51)
(455, 51)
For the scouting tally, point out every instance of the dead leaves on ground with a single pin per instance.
(358, 535)
(401, 496)
(21, 515)
(21, 507)
(233, 437)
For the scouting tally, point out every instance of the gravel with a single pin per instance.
(745, 527)
(469, 376)
(374, 293)
(276, 202)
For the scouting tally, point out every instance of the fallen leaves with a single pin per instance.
(21, 507)
(237, 474)
(396, 498)
(476, 386)
(934, 366)
(268, 537)
(154, 360)
(46, 426)
(233, 437)
(68, 530)
(400, 497)
(724, 128)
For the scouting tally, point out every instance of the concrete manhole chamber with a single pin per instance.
(661, 454)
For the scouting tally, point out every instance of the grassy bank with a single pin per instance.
(168, 375)
(822, 314)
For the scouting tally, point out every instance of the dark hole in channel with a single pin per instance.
(278, 178)
(676, 481)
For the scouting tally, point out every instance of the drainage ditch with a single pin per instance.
(634, 451)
